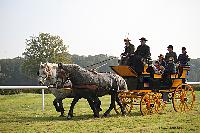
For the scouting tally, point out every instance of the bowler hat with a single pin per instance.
(161, 55)
(126, 39)
(183, 48)
(143, 39)
(170, 46)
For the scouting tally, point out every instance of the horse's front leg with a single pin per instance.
(70, 113)
(112, 104)
(93, 106)
(59, 106)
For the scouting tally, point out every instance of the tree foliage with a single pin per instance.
(44, 48)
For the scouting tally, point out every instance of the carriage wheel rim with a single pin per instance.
(183, 98)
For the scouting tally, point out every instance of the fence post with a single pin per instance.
(42, 100)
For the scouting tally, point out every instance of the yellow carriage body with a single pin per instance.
(127, 71)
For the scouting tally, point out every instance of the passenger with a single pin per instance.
(129, 50)
(154, 83)
(143, 50)
(170, 54)
(158, 68)
(161, 60)
(183, 61)
(166, 76)
(183, 58)
(170, 68)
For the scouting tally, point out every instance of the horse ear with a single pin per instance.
(60, 65)
(40, 63)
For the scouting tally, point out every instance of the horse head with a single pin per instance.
(47, 73)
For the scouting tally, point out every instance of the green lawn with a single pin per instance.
(23, 113)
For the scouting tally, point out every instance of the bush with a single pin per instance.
(10, 92)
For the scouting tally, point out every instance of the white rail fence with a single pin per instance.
(45, 87)
(27, 87)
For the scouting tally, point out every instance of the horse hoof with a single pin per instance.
(124, 114)
(106, 115)
(96, 116)
(69, 117)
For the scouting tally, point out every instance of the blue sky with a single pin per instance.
(91, 27)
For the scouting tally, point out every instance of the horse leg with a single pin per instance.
(119, 102)
(62, 110)
(97, 104)
(59, 106)
(92, 104)
(70, 113)
(112, 104)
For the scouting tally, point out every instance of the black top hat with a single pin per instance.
(183, 48)
(170, 46)
(126, 39)
(143, 39)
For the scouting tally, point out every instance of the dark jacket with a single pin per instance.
(170, 68)
(162, 63)
(171, 54)
(129, 50)
(183, 58)
(143, 51)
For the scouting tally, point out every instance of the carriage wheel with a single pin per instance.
(127, 102)
(159, 104)
(117, 107)
(183, 98)
(147, 104)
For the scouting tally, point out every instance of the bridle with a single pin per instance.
(47, 74)
(61, 74)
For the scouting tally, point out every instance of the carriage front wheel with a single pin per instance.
(127, 102)
(183, 98)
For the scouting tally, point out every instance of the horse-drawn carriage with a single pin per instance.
(140, 91)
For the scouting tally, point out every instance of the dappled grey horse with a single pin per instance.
(91, 84)
(47, 75)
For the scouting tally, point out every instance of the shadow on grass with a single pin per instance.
(56, 118)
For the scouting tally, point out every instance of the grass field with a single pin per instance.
(23, 113)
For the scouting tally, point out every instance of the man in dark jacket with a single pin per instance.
(161, 60)
(170, 54)
(183, 58)
(129, 50)
(143, 50)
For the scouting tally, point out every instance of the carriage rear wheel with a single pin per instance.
(183, 98)
(127, 102)
(151, 103)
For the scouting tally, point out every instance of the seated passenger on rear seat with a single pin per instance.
(158, 68)
(170, 67)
